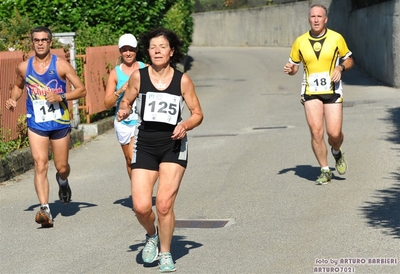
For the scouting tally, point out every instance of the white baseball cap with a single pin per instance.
(127, 40)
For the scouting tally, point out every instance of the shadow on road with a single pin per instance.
(65, 210)
(394, 119)
(179, 248)
(385, 211)
(188, 63)
(307, 172)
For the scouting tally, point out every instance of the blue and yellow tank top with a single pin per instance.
(42, 115)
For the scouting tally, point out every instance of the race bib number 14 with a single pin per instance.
(161, 107)
(45, 111)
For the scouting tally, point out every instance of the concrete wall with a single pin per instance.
(264, 26)
(372, 33)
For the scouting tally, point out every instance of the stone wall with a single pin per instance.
(372, 33)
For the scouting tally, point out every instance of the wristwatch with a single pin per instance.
(62, 96)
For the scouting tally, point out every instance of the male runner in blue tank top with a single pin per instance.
(44, 76)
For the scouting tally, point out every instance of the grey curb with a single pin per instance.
(19, 162)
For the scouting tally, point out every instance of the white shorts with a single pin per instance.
(124, 132)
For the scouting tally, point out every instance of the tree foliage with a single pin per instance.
(178, 18)
(98, 22)
(14, 33)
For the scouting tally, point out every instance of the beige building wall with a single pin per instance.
(372, 33)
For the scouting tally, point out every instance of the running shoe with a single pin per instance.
(150, 250)
(341, 164)
(64, 193)
(325, 177)
(166, 264)
(43, 217)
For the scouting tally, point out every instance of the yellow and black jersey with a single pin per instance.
(319, 55)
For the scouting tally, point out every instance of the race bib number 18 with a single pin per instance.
(319, 82)
(161, 107)
(45, 111)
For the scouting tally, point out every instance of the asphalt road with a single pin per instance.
(248, 202)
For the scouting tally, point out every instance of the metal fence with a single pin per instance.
(98, 61)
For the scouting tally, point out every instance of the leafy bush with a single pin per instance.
(14, 33)
(178, 18)
(208, 5)
(7, 146)
(101, 22)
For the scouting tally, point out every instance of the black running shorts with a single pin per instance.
(151, 149)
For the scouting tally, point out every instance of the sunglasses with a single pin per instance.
(43, 40)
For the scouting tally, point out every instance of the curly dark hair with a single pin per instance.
(174, 42)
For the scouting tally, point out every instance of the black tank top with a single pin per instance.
(174, 88)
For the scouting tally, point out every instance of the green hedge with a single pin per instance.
(97, 22)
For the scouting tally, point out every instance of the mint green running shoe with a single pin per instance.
(166, 264)
(325, 177)
(341, 164)
(150, 250)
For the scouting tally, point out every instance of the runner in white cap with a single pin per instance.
(116, 86)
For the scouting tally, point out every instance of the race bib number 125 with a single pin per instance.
(161, 107)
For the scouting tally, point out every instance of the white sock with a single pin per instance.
(325, 168)
(47, 207)
(334, 152)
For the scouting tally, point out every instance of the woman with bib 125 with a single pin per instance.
(161, 145)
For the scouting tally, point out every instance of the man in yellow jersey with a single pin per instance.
(320, 51)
